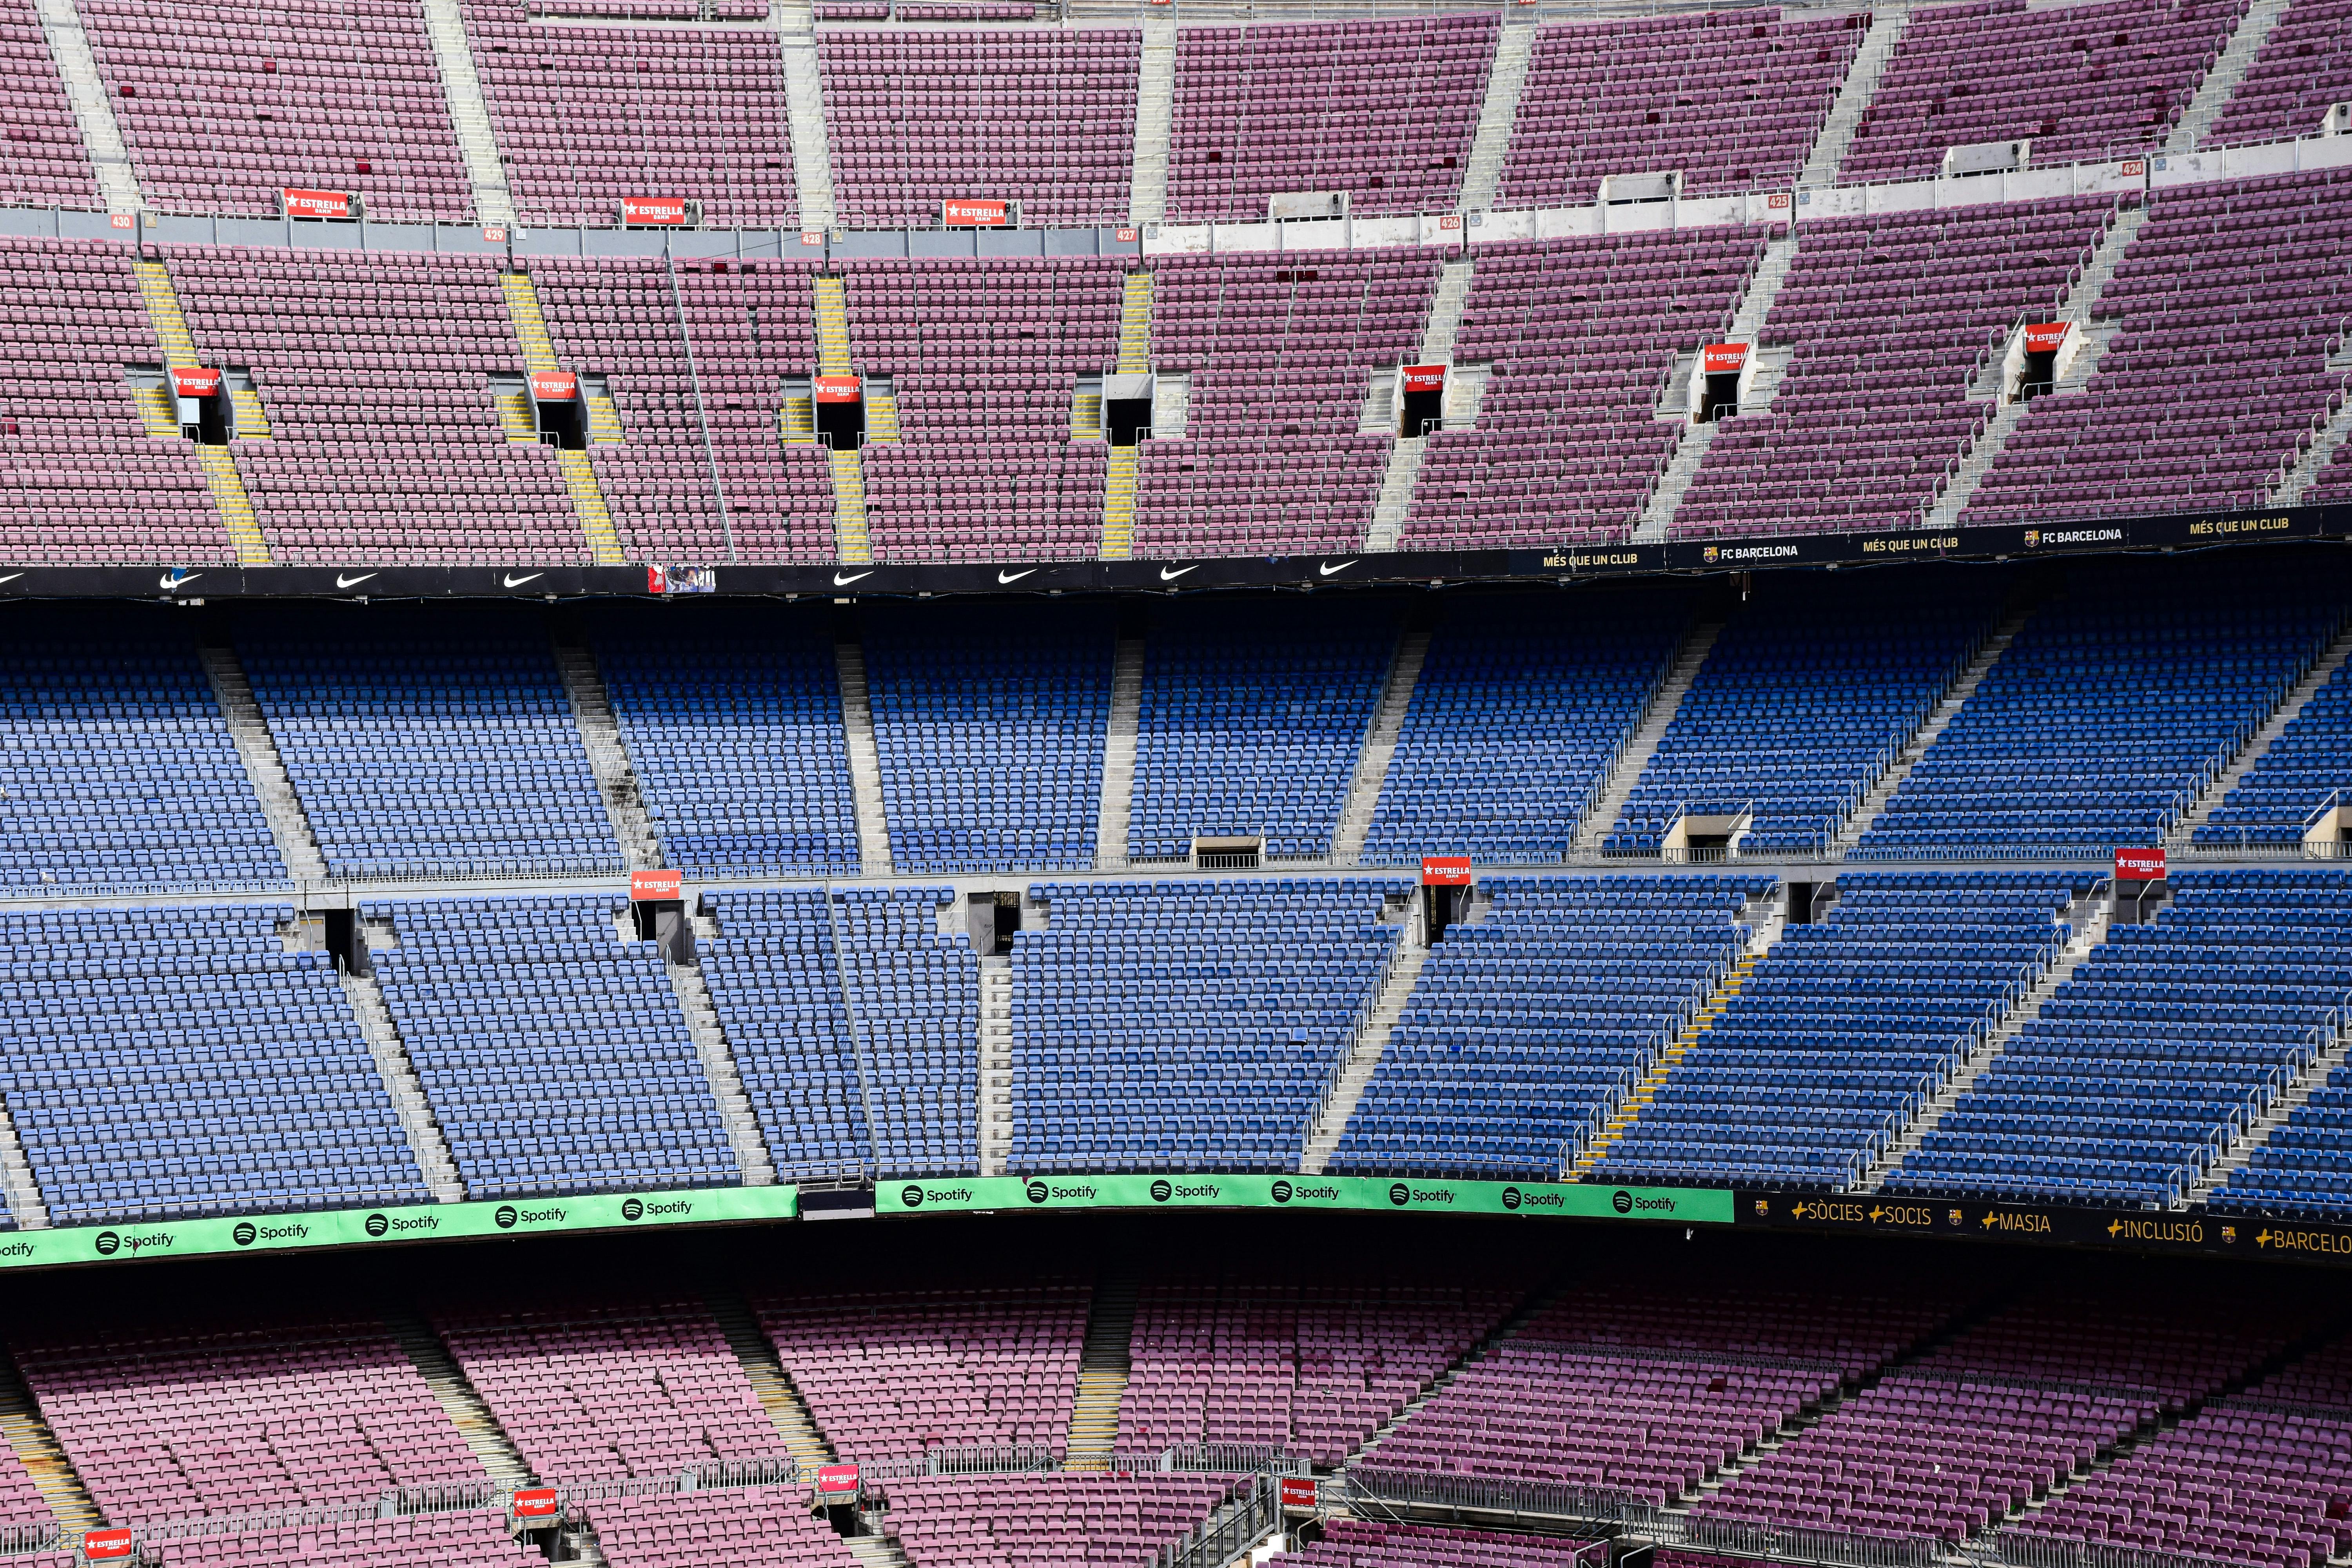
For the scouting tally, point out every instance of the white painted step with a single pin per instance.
(1379, 747)
(1609, 802)
(461, 86)
(1155, 122)
(118, 182)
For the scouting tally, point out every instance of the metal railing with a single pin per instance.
(2028, 1551)
(1612, 1512)
(1222, 1540)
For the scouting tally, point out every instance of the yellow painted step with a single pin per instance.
(796, 421)
(514, 415)
(1119, 505)
(235, 505)
(1135, 323)
(850, 541)
(832, 327)
(881, 415)
(529, 320)
(252, 419)
(164, 311)
(1086, 416)
(588, 501)
(36, 1447)
(157, 411)
(603, 421)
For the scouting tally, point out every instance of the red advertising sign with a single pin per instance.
(538, 1502)
(2139, 864)
(971, 213)
(838, 389)
(650, 885)
(833, 1480)
(654, 211)
(2044, 336)
(555, 385)
(1423, 377)
(317, 204)
(1445, 870)
(1298, 1493)
(106, 1546)
(188, 380)
(1723, 359)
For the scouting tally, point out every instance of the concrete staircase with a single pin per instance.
(1119, 755)
(1490, 143)
(1135, 323)
(500, 1460)
(2325, 442)
(17, 1187)
(2241, 1150)
(1379, 746)
(1686, 1041)
(1155, 122)
(1103, 1364)
(44, 1458)
(795, 25)
(1946, 509)
(2249, 755)
(1504, 1331)
(852, 545)
(1394, 501)
(1665, 497)
(709, 1037)
(787, 1413)
(226, 485)
(264, 766)
(486, 170)
(875, 1551)
(1626, 772)
(418, 1123)
(1117, 542)
(865, 761)
(1396, 989)
(1963, 687)
(832, 326)
(579, 474)
(996, 1064)
(1860, 84)
(608, 755)
(2090, 918)
(2221, 78)
(101, 137)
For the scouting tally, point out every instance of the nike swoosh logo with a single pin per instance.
(167, 581)
(842, 581)
(1015, 576)
(1168, 576)
(514, 582)
(11, 577)
(1327, 571)
(344, 582)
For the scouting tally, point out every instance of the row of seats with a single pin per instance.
(2205, 364)
(1384, 111)
(177, 1061)
(1931, 1397)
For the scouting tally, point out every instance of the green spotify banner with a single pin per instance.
(1690, 1206)
(364, 1228)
